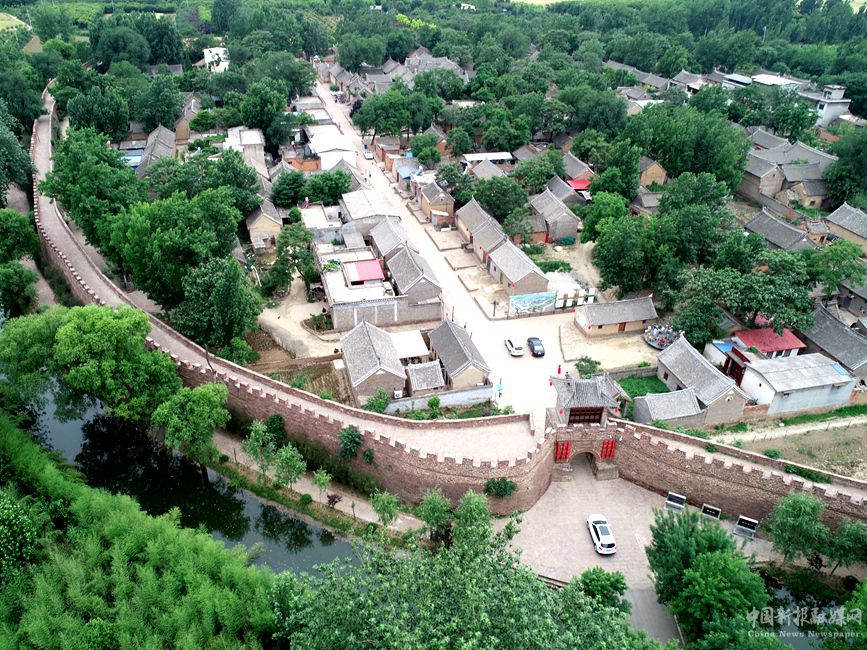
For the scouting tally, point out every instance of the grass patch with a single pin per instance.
(483, 410)
(638, 386)
(56, 281)
(844, 412)
(805, 472)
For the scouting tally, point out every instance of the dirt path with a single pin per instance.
(352, 504)
(768, 433)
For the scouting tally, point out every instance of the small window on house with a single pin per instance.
(599, 327)
(665, 375)
(679, 387)
(820, 107)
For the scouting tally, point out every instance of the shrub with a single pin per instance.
(772, 453)
(17, 537)
(807, 473)
(300, 380)
(500, 487)
(239, 351)
(644, 364)
(318, 457)
(327, 395)
(433, 405)
(378, 402)
(710, 448)
(534, 249)
(305, 500)
(547, 266)
(586, 367)
(350, 441)
(367, 456)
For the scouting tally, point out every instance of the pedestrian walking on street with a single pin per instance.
(559, 369)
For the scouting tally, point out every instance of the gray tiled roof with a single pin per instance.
(160, 144)
(473, 215)
(665, 406)
(513, 263)
(574, 166)
(368, 349)
(455, 348)
(646, 201)
(526, 152)
(408, 268)
(435, 194)
(487, 170)
(619, 311)
(789, 153)
(837, 340)
(265, 210)
(849, 218)
(757, 166)
(489, 236)
(653, 80)
(692, 370)
(766, 140)
(814, 188)
(583, 393)
(645, 163)
(388, 235)
(561, 189)
(794, 173)
(800, 372)
(777, 232)
(686, 78)
(425, 376)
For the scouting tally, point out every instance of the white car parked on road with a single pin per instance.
(514, 349)
(600, 533)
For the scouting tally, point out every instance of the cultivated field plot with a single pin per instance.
(8, 21)
(842, 451)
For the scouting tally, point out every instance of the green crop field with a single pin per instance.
(10, 22)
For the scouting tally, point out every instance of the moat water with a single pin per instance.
(116, 456)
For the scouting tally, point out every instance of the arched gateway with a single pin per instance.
(579, 422)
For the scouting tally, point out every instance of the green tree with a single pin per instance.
(378, 402)
(27, 355)
(219, 305)
(624, 157)
(350, 441)
(232, 172)
(385, 114)
(791, 117)
(101, 352)
(830, 264)
(51, 22)
(684, 139)
(325, 187)
(322, 481)
(189, 419)
(263, 104)
(718, 585)
(222, 14)
(500, 196)
(286, 191)
(620, 254)
(106, 111)
(535, 173)
(17, 236)
(848, 544)
(847, 177)
(292, 254)
(677, 539)
(796, 527)
(289, 466)
(119, 44)
(356, 50)
(14, 160)
(502, 132)
(92, 183)
(460, 185)
(435, 511)
(296, 74)
(592, 146)
(17, 538)
(238, 351)
(261, 445)
(161, 242)
(710, 99)
(161, 104)
(459, 141)
(605, 205)
(518, 225)
(609, 587)
(739, 252)
(17, 288)
(385, 506)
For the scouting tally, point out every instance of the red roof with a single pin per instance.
(580, 184)
(364, 271)
(767, 340)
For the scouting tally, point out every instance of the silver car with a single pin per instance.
(601, 534)
(515, 349)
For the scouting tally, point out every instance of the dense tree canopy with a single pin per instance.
(162, 241)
